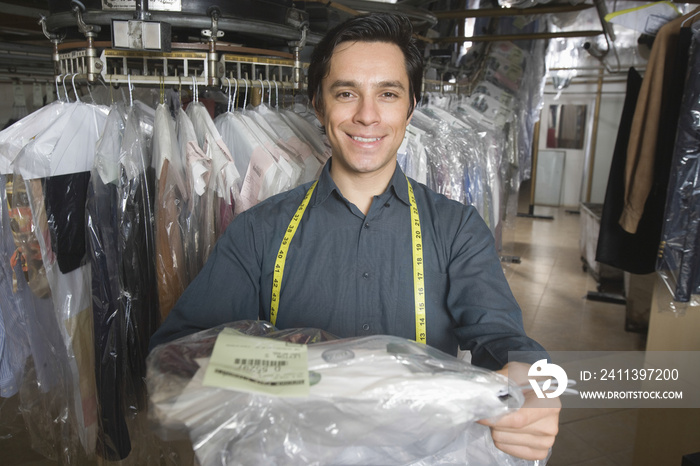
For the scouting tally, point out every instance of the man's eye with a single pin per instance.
(390, 95)
(344, 95)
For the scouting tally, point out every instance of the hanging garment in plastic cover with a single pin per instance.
(44, 380)
(14, 138)
(119, 210)
(269, 171)
(374, 400)
(171, 196)
(262, 174)
(224, 177)
(54, 167)
(679, 261)
(278, 128)
(14, 338)
(196, 222)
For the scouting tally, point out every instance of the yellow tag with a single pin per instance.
(282, 255)
(258, 365)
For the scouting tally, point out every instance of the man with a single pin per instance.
(364, 250)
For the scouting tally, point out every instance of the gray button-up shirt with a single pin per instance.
(352, 275)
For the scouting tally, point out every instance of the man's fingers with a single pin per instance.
(525, 417)
(514, 439)
(524, 452)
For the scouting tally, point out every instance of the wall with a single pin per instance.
(575, 178)
(9, 110)
(609, 120)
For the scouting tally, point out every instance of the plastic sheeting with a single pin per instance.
(48, 185)
(224, 178)
(373, 400)
(461, 158)
(679, 262)
(78, 289)
(171, 196)
(87, 314)
(478, 145)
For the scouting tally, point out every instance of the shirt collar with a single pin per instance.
(326, 185)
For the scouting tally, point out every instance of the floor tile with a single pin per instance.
(561, 318)
(608, 433)
(569, 448)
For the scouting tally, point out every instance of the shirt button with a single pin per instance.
(386, 205)
(365, 327)
(367, 225)
(365, 275)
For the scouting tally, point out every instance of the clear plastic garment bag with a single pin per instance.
(171, 199)
(367, 399)
(55, 171)
(267, 172)
(122, 251)
(224, 176)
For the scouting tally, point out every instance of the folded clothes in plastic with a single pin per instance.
(378, 400)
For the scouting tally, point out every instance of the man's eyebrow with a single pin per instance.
(394, 84)
(382, 84)
(340, 83)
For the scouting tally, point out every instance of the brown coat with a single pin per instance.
(641, 151)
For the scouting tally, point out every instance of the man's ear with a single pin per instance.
(317, 111)
(408, 120)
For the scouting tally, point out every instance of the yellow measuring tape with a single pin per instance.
(418, 276)
(282, 254)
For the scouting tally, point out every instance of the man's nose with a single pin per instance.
(367, 112)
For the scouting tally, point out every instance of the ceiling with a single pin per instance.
(24, 50)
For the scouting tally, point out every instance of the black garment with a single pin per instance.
(65, 209)
(138, 300)
(113, 441)
(636, 253)
(616, 247)
(125, 300)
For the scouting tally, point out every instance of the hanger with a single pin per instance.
(75, 91)
(65, 91)
(262, 91)
(695, 13)
(245, 99)
(277, 97)
(231, 96)
(58, 94)
(195, 91)
(228, 93)
(235, 94)
(269, 93)
(131, 88)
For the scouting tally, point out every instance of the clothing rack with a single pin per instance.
(442, 87)
(181, 67)
(208, 61)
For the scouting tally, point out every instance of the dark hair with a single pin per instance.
(376, 27)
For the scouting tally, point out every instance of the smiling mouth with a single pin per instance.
(359, 139)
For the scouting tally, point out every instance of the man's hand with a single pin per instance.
(529, 432)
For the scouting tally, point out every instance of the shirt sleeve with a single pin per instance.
(488, 319)
(227, 288)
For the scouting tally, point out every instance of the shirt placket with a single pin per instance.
(368, 279)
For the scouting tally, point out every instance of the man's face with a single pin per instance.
(365, 106)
